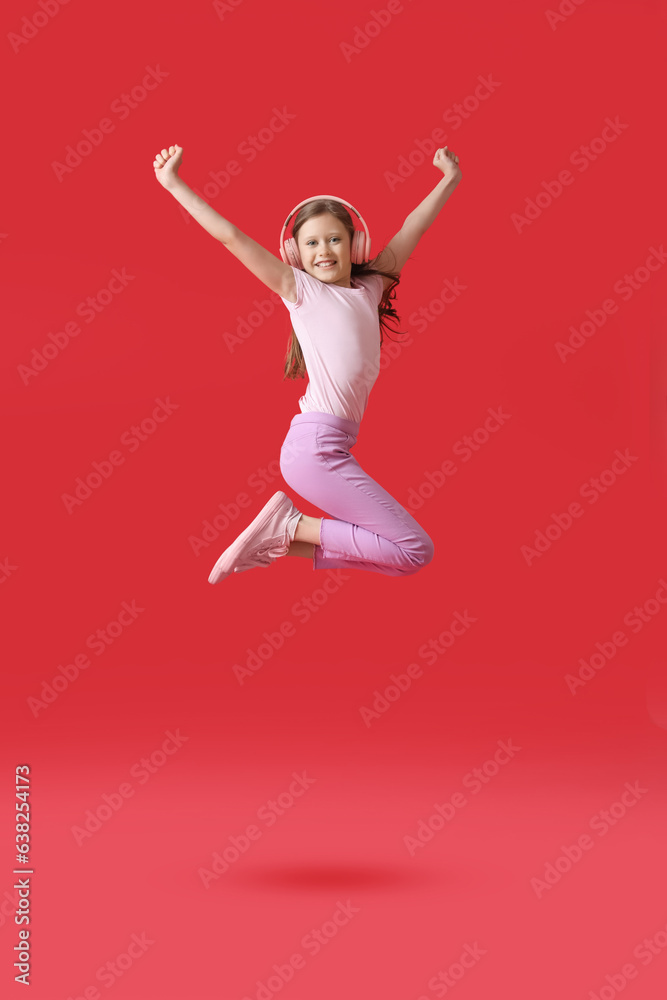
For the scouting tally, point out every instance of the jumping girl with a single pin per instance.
(338, 300)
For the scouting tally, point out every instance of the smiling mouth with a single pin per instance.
(326, 263)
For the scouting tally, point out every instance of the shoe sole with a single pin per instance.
(225, 564)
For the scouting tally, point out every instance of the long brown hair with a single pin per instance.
(295, 365)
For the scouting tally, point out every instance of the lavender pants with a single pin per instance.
(368, 529)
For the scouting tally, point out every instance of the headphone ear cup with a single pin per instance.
(293, 255)
(355, 248)
(360, 249)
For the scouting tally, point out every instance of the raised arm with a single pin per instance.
(272, 271)
(400, 247)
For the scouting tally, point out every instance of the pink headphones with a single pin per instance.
(360, 249)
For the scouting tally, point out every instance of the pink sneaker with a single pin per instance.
(266, 538)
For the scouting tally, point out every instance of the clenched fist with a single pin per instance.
(448, 162)
(166, 165)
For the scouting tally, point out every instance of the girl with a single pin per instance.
(338, 301)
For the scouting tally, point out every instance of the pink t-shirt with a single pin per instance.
(338, 330)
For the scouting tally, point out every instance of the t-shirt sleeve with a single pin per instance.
(307, 289)
(374, 283)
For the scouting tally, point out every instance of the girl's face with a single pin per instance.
(324, 245)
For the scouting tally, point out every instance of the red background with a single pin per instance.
(172, 669)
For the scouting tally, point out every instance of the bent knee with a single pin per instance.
(422, 556)
(429, 550)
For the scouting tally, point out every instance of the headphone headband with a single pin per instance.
(317, 197)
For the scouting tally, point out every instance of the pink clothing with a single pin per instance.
(338, 330)
(368, 529)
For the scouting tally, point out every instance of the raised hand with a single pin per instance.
(447, 161)
(166, 165)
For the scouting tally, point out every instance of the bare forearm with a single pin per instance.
(201, 211)
(425, 213)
